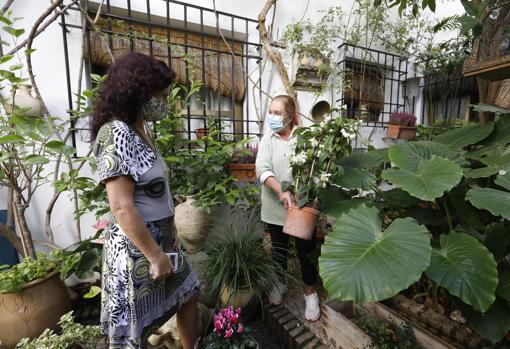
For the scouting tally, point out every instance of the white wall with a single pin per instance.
(49, 68)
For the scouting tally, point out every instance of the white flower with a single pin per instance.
(502, 172)
(321, 146)
(347, 134)
(298, 159)
(314, 142)
(325, 177)
(343, 107)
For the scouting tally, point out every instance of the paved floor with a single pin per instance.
(294, 300)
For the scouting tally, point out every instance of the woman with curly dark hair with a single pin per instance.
(145, 277)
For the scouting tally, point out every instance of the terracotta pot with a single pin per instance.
(25, 103)
(300, 222)
(201, 132)
(192, 224)
(243, 172)
(401, 132)
(239, 298)
(39, 305)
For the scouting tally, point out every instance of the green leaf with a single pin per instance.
(94, 291)
(399, 197)
(482, 172)
(36, 160)
(358, 258)
(409, 155)
(29, 51)
(432, 178)
(494, 324)
(465, 267)
(468, 215)
(470, 7)
(11, 138)
(504, 285)
(464, 136)
(495, 201)
(61, 147)
(357, 169)
(503, 180)
(480, 107)
(496, 239)
(5, 20)
(6, 58)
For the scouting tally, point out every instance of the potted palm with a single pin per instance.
(402, 125)
(314, 167)
(237, 266)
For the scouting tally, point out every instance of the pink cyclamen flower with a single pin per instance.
(240, 328)
(219, 322)
(229, 332)
(100, 224)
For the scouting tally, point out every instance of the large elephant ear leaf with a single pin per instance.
(465, 135)
(504, 285)
(492, 325)
(465, 267)
(495, 201)
(429, 181)
(357, 169)
(358, 257)
(408, 156)
(500, 136)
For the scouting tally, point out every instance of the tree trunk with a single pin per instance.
(26, 234)
(273, 54)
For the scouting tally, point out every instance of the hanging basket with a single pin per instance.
(300, 222)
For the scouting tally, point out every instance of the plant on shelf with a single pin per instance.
(237, 266)
(72, 335)
(446, 216)
(314, 167)
(386, 335)
(229, 332)
(242, 165)
(402, 125)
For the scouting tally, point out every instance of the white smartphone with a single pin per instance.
(174, 258)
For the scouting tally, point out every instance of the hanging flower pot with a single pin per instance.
(300, 222)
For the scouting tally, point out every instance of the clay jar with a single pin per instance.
(193, 224)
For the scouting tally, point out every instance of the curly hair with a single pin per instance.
(130, 82)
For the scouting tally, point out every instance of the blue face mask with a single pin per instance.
(276, 122)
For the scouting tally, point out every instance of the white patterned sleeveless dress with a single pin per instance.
(133, 305)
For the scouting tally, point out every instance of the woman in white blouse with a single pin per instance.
(273, 167)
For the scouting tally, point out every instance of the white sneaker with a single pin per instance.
(312, 309)
(276, 295)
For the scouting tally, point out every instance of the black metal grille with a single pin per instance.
(200, 37)
(373, 83)
(447, 98)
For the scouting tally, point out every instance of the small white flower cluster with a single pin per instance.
(347, 134)
(502, 172)
(314, 143)
(298, 159)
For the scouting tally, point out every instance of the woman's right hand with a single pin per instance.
(286, 200)
(161, 266)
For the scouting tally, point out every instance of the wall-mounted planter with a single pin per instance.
(243, 172)
(401, 132)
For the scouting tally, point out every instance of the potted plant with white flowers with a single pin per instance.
(314, 167)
